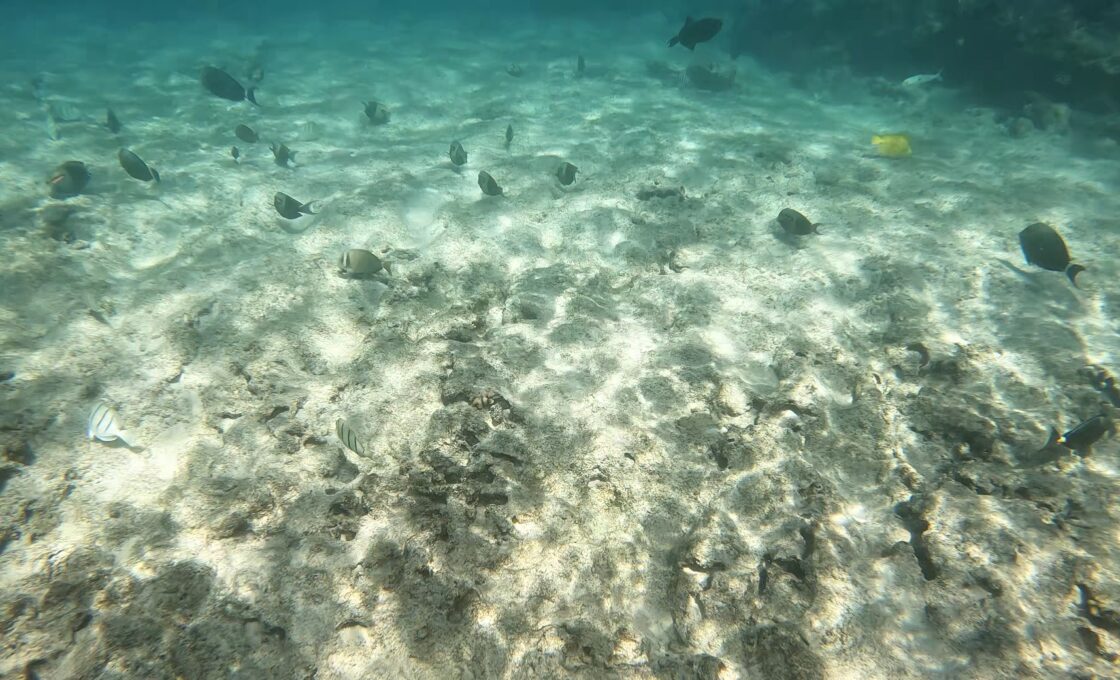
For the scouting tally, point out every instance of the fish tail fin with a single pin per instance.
(306, 208)
(251, 96)
(1054, 438)
(674, 40)
(155, 175)
(691, 48)
(1072, 271)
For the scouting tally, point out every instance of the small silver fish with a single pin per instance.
(104, 425)
(348, 438)
(922, 79)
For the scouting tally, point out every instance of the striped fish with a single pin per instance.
(349, 439)
(104, 425)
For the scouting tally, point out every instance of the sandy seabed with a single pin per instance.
(607, 434)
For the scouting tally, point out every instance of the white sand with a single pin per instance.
(695, 401)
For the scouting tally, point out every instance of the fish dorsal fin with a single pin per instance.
(1072, 271)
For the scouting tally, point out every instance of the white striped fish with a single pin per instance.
(349, 439)
(104, 426)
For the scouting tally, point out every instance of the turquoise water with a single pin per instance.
(633, 425)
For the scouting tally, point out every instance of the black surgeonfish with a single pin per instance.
(290, 208)
(488, 185)
(457, 153)
(136, 167)
(376, 112)
(695, 32)
(69, 179)
(1083, 435)
(282, 154)
(112, 122)
(795, 223)
(246, 134)
(1044, 247)
(566, 173)
(221, 84)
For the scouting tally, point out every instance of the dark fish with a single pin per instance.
(695, 32)
(795, 223)
(580, 65)
(282, 154)
(136, 167)
(1083, 435)
(246, 134)
(357, 262)
(289, 207)
(1044, 247)
(376, 112)
(235, 152)
(221, 84)
(566, 173)
(112, 122)
(457, 153)
(488, 185)
(69, 179)
(509, 134)
(514, 70)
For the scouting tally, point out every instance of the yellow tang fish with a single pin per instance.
(892, 146)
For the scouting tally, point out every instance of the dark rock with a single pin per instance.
(177, 591)
(232, 525)
(661, 192)
(779, 652)
(504, 445)
(17, 450)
